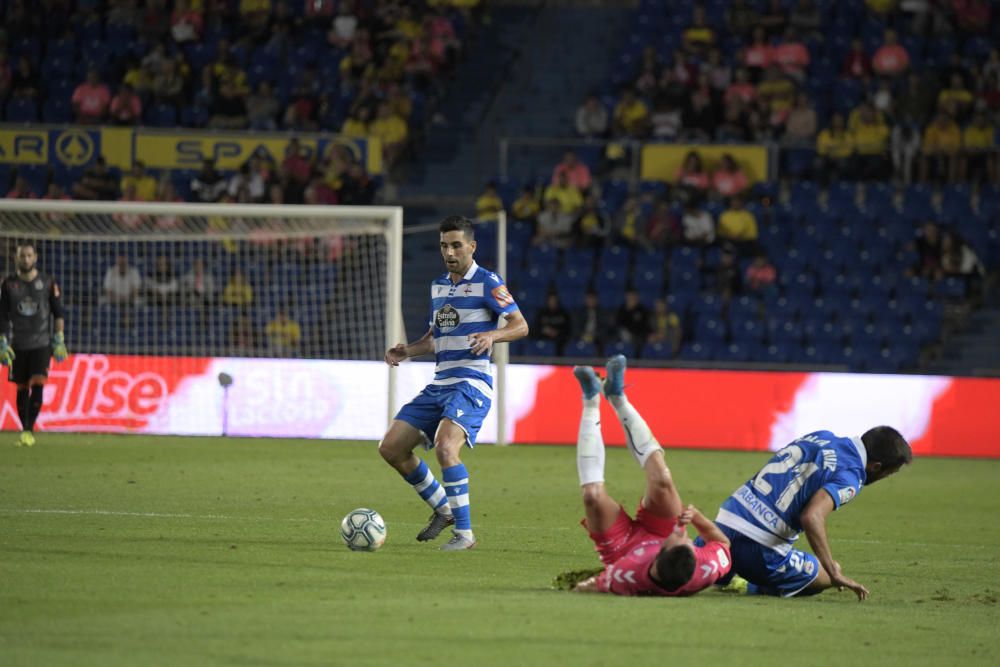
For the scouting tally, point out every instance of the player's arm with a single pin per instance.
(705, 526)
(516, 327)
(813, 521)
(402, 351)
(4, 309)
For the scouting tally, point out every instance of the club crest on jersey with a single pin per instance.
(27, 307)
(446, 319)
(502, 296)
(38, 284)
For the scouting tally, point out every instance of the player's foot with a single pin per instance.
(737, 585)
(458, 543)
(589, 382)
(27, 439)
(435, 525)
(614, 383)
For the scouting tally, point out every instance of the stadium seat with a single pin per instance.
(581, 348)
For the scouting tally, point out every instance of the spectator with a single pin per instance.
(741, 90)
(526, 207)
(890, 59)
(186, 24)
(979, 158)
(632, 319)
(739, 227)
(665, 326)
(915, 104)
(649, 72)
(807, 19)
(162, 286)
(168, 84)
(262, 108)
(941, 148)
(343, 28)
(776, 93)
(55, 192)
(143, 185)
(154, 21)
(198, 285)
(570, 198)
(800, 127)
(882, 99)
(630, 223)
(728, 179)
(554, 225)
(96, 183)
(905, 147)
(728, 282)
(209, 184)
(283, 334)
(701, 116)
(21, 190)
(791, 55)
(577, 173)
(742, 17)
(238, 292)
(662, 227)
(667, 120)
(691, 175)
(871, 144)
(90, 99)
(775, 19)
(631, 116)
(593, 226)
(699, 228)
(392, 131)
(972, 16)
(759, 55)
(248, 185)
(956, 98)
(165, 192)
(24, 80)
(857, 64)
(591, 324)
(835, 149)
(356, 123)
(243, 336)
(229, 109)
(357, 188)
(301, 112)
(720, 74)
(959, 260)
(699, 36)
(928, 247)
(553, 323)
(122, 283)
(489, 204)
(882, 7)
(5, 76)
(760, 275)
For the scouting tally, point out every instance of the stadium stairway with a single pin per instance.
(976, 349)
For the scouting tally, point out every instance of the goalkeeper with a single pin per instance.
(31, 331)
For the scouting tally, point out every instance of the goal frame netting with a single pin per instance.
(305, 222)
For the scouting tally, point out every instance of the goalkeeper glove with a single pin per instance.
(6, 352)
(59, 347)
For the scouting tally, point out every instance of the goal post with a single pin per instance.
(233, 280)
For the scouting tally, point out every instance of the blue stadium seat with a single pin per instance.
(579, 348)
(615, 258)
(657, 351)
(710, 329)
(22, 110)
(162, 115)
(619, 347)
(697, 351)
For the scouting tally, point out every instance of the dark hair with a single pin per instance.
(675, 566)
(458, 223)
(26, 244)
(887, 446)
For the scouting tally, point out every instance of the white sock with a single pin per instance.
(590, 444)
(638, 437)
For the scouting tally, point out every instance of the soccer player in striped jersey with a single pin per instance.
(796, 491)
(467, 303)
(651, 554)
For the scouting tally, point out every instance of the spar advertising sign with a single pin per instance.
(941, 416)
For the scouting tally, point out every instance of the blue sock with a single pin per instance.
(423, 482)
(456, 485)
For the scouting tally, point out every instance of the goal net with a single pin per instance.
(188, 280)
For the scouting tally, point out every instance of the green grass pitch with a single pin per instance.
(127, 550)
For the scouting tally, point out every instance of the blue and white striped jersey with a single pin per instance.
(767, 508)
(472, 305)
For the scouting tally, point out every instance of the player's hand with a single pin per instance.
(6, 352)
(59, 351)
(838, 579)
(587, 585)
(687, 515)
(396, 354)
(482, 342)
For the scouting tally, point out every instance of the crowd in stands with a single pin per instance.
(908, 90)
(357, 67)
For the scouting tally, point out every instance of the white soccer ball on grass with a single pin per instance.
(363, 529)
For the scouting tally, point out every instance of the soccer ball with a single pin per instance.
(363, 530)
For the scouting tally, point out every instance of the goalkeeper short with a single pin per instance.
(458, 402)
(29, 363)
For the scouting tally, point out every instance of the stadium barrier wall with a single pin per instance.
(708, 409)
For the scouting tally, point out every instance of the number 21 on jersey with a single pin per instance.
(790, 459)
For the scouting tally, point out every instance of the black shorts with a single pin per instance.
(28, 363)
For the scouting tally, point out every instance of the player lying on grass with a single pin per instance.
(652, 553)
(795, 492)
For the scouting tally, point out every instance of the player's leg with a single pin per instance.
(406, 433)
(449, 439)
(20, 375)
(38, 370)
(600, 509)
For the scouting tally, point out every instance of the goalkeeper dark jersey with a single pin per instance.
(28, 307)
